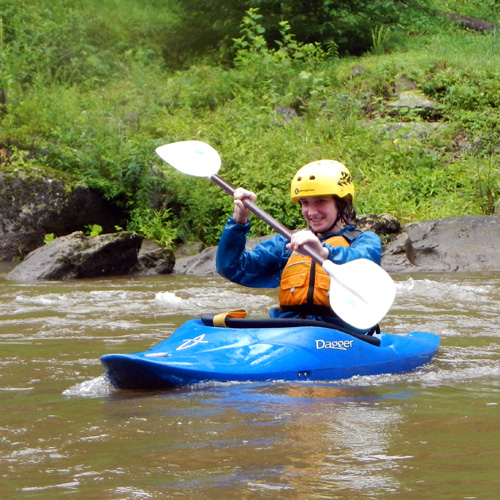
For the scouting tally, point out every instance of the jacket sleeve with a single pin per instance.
(257, 268)
(366, 246)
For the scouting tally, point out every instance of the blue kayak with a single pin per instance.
(263, 350)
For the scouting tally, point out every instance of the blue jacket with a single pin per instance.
(262, 266)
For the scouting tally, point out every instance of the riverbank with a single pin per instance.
(460, 244)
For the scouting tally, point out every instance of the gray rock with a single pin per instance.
(409, 130)
(154, 259)
(404, 83)
(203, 264)
(468, 244)
(468, 22)
(79, 256)
(35, 201)
(413, 99)
(188, 249)
(287, 113)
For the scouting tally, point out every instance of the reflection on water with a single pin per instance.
(432, 433)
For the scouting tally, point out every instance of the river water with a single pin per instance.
(66, 433)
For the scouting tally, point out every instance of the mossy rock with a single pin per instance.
(35, 201)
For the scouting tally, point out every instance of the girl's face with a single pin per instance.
(320, 212)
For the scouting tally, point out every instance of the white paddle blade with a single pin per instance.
(191, 157)
(361, 292)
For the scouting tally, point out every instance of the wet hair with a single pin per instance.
(346, 210)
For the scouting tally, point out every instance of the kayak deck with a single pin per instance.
(198, 353)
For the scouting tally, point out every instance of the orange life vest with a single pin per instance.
(304, 282)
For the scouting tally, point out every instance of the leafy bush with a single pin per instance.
(153, 224)
(207, 26)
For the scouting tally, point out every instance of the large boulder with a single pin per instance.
(79, 256)
(35, 201)
(468, 244)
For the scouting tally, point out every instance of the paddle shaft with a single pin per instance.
(263, 215)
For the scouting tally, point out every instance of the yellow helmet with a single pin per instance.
(322, 178)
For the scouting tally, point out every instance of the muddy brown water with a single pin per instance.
(66, 433)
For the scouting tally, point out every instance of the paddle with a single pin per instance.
(361, 292)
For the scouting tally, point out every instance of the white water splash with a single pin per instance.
(198, 301)
(97, 387)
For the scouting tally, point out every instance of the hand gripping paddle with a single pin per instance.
(361, 292)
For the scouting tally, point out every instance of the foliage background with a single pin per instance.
(93, 87)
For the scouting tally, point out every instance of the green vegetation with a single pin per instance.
(93, 230)
(49, 238)
(91, 88)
